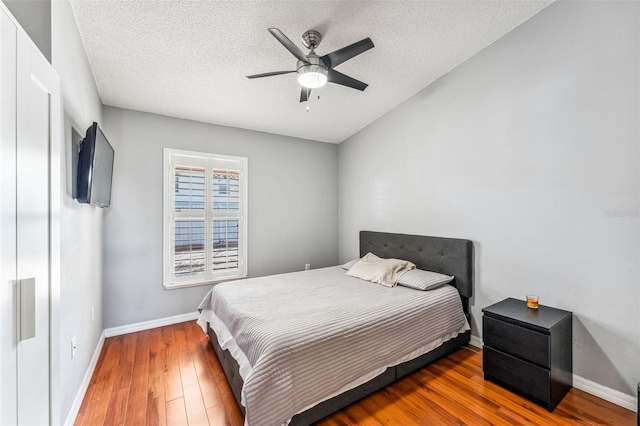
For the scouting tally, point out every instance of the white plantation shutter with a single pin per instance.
(226, 207)
(205, 226)
(187, 227)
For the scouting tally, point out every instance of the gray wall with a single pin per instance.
(34, 17)
(292, 218)
(531, 149)
(81, 225)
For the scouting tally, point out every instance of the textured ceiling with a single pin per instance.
(189, 59)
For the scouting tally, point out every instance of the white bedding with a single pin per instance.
(303, 337)
(377, 270)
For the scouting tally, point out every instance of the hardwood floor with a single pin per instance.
(171, 376)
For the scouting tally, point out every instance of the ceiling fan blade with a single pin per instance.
(295, 50)
(304, 94)
(339, 56)
(338, 78)
(269, 74)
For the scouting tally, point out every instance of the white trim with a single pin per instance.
(210, 283)
(476, 341)
(77, 402)
(146, 325)
(200, 154)
(614, 396)
(206, 160)
(56, 193)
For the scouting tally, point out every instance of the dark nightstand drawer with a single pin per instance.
(529, 350)
(518, 375)
(515, 340)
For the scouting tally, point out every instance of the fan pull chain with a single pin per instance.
(309, 97)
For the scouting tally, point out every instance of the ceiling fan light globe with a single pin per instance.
(312, 76)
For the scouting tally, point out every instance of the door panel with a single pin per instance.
(8, 326)
(32, 170)
(29, 229)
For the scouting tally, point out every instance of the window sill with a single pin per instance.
(176, 286)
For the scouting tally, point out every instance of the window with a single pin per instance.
(205, 220)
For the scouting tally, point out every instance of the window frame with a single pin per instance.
(169, 216)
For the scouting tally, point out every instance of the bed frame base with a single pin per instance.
(448, 256)
(229, 366)
(325, 408)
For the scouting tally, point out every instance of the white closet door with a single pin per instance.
(34, 76)
(8, 382)
(30, 178)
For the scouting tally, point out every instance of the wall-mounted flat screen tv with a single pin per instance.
(95, 168)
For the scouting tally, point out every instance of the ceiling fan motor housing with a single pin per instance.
(313, 60)
(312, 75)
(311, 39)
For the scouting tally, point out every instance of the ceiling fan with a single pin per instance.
(315, 71)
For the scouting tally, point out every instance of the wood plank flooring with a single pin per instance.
(171, 376)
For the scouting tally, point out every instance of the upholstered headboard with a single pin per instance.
(450, 256)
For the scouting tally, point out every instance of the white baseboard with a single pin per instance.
(77, 402)
(117, 331)
(146, 325)
(614, 396)
(476, 341)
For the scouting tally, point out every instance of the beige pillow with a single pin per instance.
(381, 271)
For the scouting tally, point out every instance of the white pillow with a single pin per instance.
(349, 264)
(380, 271)
(423, 280)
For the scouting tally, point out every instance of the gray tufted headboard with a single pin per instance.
(450, 256)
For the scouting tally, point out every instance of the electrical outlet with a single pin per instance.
(74, 347)
(307, 266)
(92, 316)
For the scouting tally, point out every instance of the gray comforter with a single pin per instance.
(303, 337)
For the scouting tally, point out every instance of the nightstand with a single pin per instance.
(528, 351)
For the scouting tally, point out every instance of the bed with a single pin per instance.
(299, 364)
